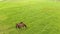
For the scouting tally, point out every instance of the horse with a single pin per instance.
(20, 25)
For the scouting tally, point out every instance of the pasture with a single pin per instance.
(40, 17)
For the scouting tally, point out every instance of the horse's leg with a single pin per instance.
(16, 26)
(25, 26)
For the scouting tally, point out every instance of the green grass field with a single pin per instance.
(40, 17)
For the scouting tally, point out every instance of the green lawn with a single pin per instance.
(40, 17)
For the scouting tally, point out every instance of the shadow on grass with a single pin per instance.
(14, 29)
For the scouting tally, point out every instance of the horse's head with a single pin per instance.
(21, 22)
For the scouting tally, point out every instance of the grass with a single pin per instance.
(40, 17)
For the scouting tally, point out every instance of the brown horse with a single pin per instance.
(20, 25)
